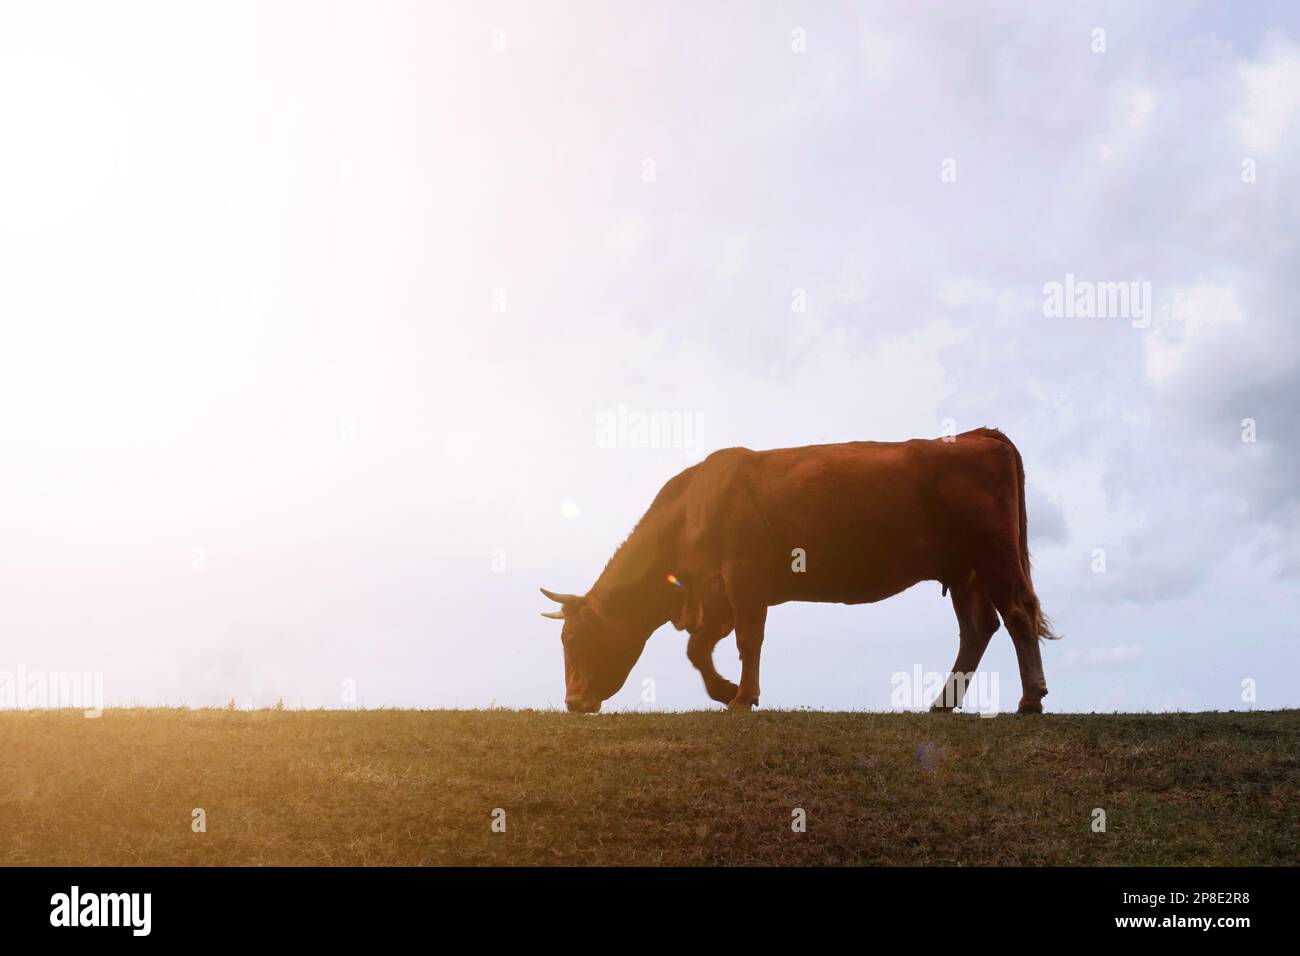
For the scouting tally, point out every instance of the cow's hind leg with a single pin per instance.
(977, 620)
(1013, 595)
(699, 650)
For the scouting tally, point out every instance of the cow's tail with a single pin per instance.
(1042, 623)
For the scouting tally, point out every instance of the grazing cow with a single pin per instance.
(851, 523)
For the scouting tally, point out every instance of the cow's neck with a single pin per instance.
(633, 587)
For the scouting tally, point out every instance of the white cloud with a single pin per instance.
(1192, 321)
(1131, 115)
(1272, 98)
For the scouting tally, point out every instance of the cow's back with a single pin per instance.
(864, 520)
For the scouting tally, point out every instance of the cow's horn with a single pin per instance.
(559, 598)
(554, 615)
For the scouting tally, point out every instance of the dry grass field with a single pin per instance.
(420, 787)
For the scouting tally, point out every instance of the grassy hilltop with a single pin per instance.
(420, 787)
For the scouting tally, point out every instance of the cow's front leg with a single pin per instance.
(749, 640)
(699, 650)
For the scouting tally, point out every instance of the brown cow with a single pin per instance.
(718, 547)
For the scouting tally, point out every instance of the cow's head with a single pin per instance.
(599, 651)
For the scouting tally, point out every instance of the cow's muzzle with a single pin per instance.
(577, 705)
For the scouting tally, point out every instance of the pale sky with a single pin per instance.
(309, 313)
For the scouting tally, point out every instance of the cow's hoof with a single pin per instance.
(941, 709)
(738, 704)
(1030, 707)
